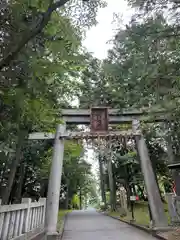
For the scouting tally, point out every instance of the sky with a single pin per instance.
(98, 36)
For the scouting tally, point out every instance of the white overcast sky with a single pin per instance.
(98, 36)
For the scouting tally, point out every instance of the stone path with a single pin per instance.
(90, 225)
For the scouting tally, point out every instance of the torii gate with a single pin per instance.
(99, 119)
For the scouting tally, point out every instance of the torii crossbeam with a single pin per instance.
(116, 116)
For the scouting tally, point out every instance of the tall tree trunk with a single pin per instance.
(12, 199)
(22, 171)
(128, 191)
(134, 189)
(80, 199)
(111, 185)
(44, 188)
(102, 183)
(67, 198)
(171, 160)
(127, 185)
(4, 167)
(85, 201)
(13, 168)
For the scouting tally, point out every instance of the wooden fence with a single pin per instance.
(18, 221)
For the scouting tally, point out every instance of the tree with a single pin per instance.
(35, 16)
(38, 82)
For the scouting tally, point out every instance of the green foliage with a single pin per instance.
(34, 16)
(141, 71)
(75, 201)
(40, 64)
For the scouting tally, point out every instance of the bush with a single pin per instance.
(102, 207)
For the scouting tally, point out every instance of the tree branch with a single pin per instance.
(27, 36)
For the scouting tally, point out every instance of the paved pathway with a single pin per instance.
(90, 225)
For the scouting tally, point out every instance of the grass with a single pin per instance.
(61, 215)
(141, 214)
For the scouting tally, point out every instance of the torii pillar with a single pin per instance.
(52, 207)
(154, 198)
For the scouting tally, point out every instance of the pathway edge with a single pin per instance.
(61, 230)
(147, 230)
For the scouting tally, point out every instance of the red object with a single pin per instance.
(99, 119)
(174, 188)
(137, 198)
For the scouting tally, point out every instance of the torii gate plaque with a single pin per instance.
(99, 118)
